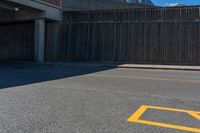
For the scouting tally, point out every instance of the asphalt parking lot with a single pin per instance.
(91, 99)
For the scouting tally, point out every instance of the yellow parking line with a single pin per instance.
(148, 78)
(136, 118)
(169, 126)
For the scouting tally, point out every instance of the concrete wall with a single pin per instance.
(147, 2)
(54, 2)
(68, 5)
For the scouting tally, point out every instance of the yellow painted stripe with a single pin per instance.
(136, 118)
(171, 109)
(138, 114)
(183, 128)
(195, 115)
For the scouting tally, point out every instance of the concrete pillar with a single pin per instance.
(39, 40)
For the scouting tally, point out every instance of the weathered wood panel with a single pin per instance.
(17, 42)
(154, 35)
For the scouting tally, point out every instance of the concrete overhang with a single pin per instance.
(13, 12)
(25, 10)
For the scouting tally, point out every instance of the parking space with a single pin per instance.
(93, 99)
(179, 119)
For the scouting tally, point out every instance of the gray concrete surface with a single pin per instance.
(92, 99)
(39, 40)
(165, 67)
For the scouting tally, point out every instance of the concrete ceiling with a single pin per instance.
(7, 6)
(11, 12)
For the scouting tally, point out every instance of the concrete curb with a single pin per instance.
(163, 67)
(128, 66)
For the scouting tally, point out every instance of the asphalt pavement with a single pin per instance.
(37, 98)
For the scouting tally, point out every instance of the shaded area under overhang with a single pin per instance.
(12, 12)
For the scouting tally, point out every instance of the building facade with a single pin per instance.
(40, 11)
(68, 5)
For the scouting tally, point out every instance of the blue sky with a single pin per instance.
(174, 2)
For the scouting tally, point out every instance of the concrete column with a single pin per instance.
(39, 40)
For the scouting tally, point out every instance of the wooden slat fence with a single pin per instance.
(153, 35)
(17, 42)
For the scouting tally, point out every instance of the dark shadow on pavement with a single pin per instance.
(12, 75)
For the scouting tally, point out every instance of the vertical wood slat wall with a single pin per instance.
(17, 42)
(154, 35)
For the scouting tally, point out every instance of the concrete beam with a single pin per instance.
(39, 40)
(50, 12)
(6, 6)
(24, 14)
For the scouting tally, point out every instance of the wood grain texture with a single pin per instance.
(17, 42)
(153, 35)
